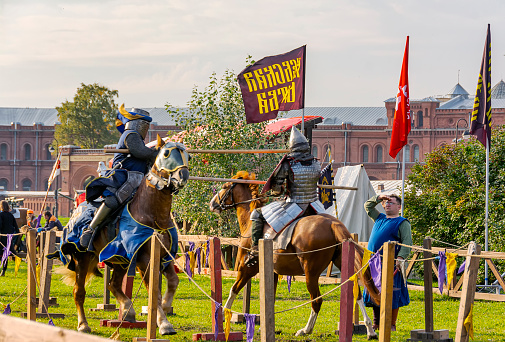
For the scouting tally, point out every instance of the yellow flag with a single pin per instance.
(227, 320)
(202, 254)
(451, 267)
(192, 261)
(366, 257)
(37, 274)
(280, 277)
(355, 290)
(468, 323)
(17, 263)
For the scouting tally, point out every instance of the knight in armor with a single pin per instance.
(128, 169)
(300, 171)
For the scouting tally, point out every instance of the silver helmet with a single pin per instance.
(139, 125)
(298, 142)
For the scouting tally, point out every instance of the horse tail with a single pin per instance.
(68, 276)
(366, 277)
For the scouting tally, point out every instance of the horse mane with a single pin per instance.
(254, 188)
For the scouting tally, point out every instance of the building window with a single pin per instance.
(314, 151)
(28, 152)
(27, 185)
(48, 154)
(3, 184)
(379, 154)
(420, 118)
(3, 152)
(416, 153)
(407, 153)
(365, 154)
(327, 153)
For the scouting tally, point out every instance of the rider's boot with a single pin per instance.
(258, 221)
(87, 234)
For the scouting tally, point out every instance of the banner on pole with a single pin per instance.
(401, 121)
(273, 84)
(481, 114)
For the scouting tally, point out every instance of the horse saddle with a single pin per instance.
(281, 238)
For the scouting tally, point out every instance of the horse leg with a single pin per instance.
(244, 274)
(370, 332)
(115, 287)
(81, 270)
(164, 326)
(172, 283)
(313, 287)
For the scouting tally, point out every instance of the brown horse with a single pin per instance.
(310, 234)
(150, 206)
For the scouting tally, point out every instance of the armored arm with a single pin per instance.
(278, 179)
(138, 149)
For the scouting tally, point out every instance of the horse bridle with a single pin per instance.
(229, 192)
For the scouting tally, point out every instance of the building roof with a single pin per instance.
(498, 91)
(457, 90)
(358, 116)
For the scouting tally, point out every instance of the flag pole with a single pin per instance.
(403, 182)
(487, 212)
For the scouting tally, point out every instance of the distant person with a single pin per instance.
(31, 219)
(389, 227)
(51, 222)
(8, 225)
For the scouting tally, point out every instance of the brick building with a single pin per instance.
(355, 135)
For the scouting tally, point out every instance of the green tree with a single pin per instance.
(445, 195)
(215, 119)
(88, 121)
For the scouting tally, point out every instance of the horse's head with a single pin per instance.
(233, 194)
(170, 170)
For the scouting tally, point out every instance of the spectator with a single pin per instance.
(8, 225)
(51, 222)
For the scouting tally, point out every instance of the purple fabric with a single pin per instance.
(7, 310)
(461, 268)
(198, 261)
(216, 315)
(207, 254)
(188, 266)
(51, 322)
(442, 266)
(38, 221)
(288, 279)
(250, 321)
(376, 269)
(7, 250)
(191, 246)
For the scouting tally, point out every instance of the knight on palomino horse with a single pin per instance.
(301, 171)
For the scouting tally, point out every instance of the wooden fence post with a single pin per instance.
(386, 307)
(428, 287)
(154, 288)
(468, 291)
(267, 298)
(31, 282)
(45, 270)
(345, 328)
(355, 319)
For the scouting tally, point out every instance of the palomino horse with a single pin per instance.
(312, 233)
(150, 206)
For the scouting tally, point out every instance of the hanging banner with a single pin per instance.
(273, 83)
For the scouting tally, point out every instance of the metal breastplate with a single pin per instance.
(304, 187)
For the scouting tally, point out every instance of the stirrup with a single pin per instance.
(85, 238)
(252, 257)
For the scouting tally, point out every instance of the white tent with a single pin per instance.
(350, 202)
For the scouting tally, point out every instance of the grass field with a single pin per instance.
(193, 312)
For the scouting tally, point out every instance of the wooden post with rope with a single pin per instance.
(386, 307)
(468, 292)
(345, 326)
(106, 305)
(267, 298)
(31, 291)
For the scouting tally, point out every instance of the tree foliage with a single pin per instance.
(215, 119)
(88, 121)
(445, 196)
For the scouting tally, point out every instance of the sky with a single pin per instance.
(155, 52)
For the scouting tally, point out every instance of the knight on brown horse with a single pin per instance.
(300, 170)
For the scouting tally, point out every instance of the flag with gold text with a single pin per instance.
(401, 121)
(481, 114)
(273, 84)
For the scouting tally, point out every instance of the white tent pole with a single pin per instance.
(403, 181)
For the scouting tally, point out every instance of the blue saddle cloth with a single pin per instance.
(133, 235)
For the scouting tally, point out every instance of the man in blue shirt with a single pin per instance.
(389, 227)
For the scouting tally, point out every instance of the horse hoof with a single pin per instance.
(129, 318)
(84, 329)
(301, 332)
(167, 329)
(372, 337)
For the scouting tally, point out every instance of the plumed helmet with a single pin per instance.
(297, 141)
(139, 125)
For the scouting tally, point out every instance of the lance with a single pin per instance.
(248, 181)
(125, 150)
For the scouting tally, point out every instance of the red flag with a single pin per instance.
(401, 121)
